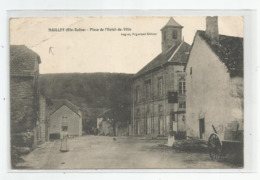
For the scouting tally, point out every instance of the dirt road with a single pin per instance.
(102, 152)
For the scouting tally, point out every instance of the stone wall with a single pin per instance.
(169, 41)
(43, 125)
(24, 106)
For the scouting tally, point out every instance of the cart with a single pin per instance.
(220, 147)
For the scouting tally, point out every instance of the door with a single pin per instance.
(137, 126)
(202, 127)
(149, 125)
(161, 125)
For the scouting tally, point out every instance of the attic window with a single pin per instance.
(174, 34)
(148, 89)
(160, 86)
(137, 93)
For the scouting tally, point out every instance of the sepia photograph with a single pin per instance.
(137, 92)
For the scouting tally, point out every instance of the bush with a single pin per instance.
(14, 157)
(22, 140)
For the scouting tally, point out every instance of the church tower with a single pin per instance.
(171, 34)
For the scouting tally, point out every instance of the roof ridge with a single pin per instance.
(229, 50)
(223, 35)
(66, 101)
(176, 51)
(104, 112)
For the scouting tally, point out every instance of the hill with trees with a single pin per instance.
(92, 92)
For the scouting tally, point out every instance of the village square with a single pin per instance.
(184, 109)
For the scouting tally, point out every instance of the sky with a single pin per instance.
(105, 44)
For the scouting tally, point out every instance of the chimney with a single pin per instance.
(212, 29)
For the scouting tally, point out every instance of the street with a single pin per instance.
(104, 152)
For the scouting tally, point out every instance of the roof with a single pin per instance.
(58, 103)
(230, 51)
(22, 60)
(106, 113)
(172, 23)
(176, 54)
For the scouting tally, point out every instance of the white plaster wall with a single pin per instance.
(209, 92)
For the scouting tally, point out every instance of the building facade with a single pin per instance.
(214, 84)
(158, 89)
(24, 95)
(62, 113)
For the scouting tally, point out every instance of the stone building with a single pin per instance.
(63, 113)
(105, 124)
(214, 83)
(24, 95)
(159, 88)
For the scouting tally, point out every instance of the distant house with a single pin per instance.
(109, 124)
(62, 113)
(105, 123)
(214, 83)
(25, 96)
(159, 88)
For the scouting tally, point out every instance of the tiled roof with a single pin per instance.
(176, 54)
(172, 23)
(58, 103)
(22, 60)
(230, 51)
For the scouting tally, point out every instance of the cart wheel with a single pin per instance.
(215, 146)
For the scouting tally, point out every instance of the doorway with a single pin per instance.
(202, 127)
(148, 123)
(160, 125)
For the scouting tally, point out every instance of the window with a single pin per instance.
(148, 108)
(137, 94)
(182, 105)
(64, 121)
(160, 108)
(182, 86)
(164, 35)
(138, 112)
(148, 89)
(183, 118)
(172, 116)
(160, 86)
(190, 70)
(35, 79)
(174, 34)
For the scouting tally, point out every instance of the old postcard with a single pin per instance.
(127, 92)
